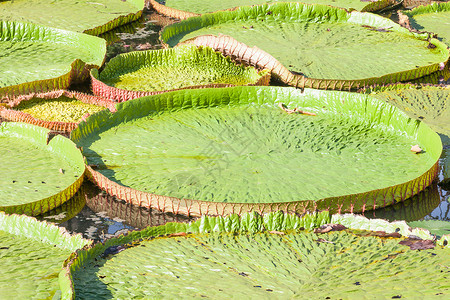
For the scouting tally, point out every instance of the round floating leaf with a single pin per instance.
(143, 73)
(233, 150)
(39, 172)
(432, 18)
(254, 256)
(36, 59)
(31, 256)
(92, 17)
(300, 42)
(58, 110)
(188, 8)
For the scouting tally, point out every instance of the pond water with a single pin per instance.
(98, 216)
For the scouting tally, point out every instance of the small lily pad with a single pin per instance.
(144, 73)
(39, 172)
(58, 110)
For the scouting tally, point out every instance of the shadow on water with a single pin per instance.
(413, 209)
(99, 216)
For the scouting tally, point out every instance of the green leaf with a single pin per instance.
(224, 151)
(142, 73)
(92, 17)
(31, 256)
(37, 176)
(286, 263)
(36, 59)
(432, 18)
(436, 227)
(429, 104)
(308, 39)
(187, 8)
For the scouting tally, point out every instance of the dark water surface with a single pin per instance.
(99, 216)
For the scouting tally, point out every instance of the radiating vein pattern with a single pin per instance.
(262, 265)
(256, 154)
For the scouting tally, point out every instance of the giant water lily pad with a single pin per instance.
(31, 256)
(57, 110)
(432, 18)
(39, 173)
(136, 74)
(300, 42)
(92, 17)
(188, 8)
(35, 58)
(220, 151)
(254, 256)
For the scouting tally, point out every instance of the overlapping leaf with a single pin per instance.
(429, 104)
(436, 227)
(143, 73)
(188, 8)
(433, 18)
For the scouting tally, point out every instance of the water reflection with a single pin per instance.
(99, 216)
(137, 217)
(67, 210)
(413, 209)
